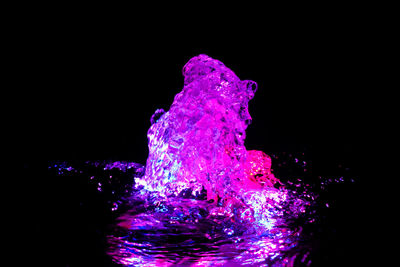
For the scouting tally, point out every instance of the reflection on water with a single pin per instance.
(207, 242)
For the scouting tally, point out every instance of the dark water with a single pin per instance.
(100, 217)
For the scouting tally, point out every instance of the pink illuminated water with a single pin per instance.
(203, 199)
(199, 143)
(199, 173)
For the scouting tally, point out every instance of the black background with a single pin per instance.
(104, 88)
(96, 85)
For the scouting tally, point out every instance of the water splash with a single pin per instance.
(202, 199)
(199, 143)
(197, 152)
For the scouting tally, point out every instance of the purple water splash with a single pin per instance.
(202, 184)
(199, 143)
